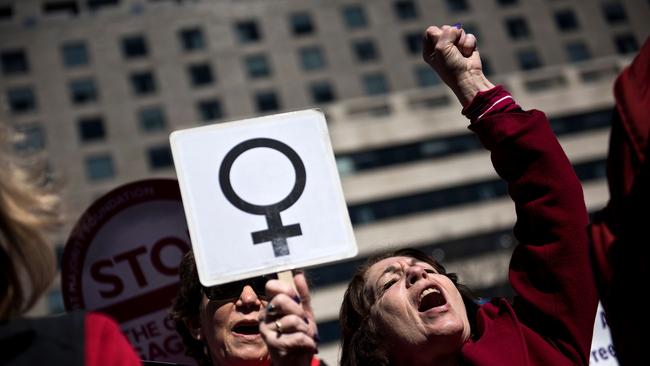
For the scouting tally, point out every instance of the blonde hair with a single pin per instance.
(28, 208)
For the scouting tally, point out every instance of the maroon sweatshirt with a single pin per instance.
(550, 320)
(619, 233)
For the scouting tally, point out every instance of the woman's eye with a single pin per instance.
(388, 284)
(430, 271)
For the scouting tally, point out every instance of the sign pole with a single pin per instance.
(287, 277)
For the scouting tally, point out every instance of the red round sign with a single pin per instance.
(122, 259)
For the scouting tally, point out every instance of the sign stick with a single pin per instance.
(287, 277)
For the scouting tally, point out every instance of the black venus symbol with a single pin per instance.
(277, 233)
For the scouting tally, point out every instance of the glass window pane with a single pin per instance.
(517, 28)
(566, 20)
(301, 24)
(21, 100)
(75, 54)
(425, 76)
(375, 84)
(529, 59)
(152, 119)
(365, 50)
(405, 9)
(577, 51)
(456, 6)
(99, 167)
(311, 58)
(192, 39)
(91, 129)
(210, 110)
(257, 66)
(413, 43)
(354, 17)
(267, 101)
(505, 3)
(143, 83)
(160, 157)
(134, 47)
(82, 91)
(247, 31)
(31, 138)
(322, 92)
(614, 12)
(14, 62)
(200, 75)
(626, 43)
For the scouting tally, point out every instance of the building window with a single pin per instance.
(425, 76)
(577, 51)
(517, 28)
(160, 157)
(143, 83)
(75, 54)
(505, 3)
(301, 24)
(405, 9)
(566, 20)
(31, 138)
(82, 91)
(152, 119)
(209, 110)
(134, 47)
(247, 31)
(614, 12)
(97, 4)
(311, 58)
(267, 101)
(322, 92)
(457, 6)
(375, 84)
(365, 50)
(200, 75)
(626, 43)
(14, 62)
(21, 99)
(61, 7)
(354, 17)
(99, 167)
(6, 12)
(91, 129)
(191, 39)
(257, 66)
(529, 59)
(413, 43)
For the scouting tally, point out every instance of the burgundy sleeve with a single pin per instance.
(105, 343)
(550, 270)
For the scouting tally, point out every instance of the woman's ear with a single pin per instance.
(194, 327)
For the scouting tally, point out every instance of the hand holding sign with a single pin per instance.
(306, 226)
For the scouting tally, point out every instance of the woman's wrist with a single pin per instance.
(470, 85)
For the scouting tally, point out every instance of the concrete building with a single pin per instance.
(97, 85)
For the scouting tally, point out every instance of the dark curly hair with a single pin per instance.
(186, 307)
(361, 339)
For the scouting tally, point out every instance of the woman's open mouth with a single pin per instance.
(247, 328)
(431, 298)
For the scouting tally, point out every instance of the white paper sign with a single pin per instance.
(262, 195)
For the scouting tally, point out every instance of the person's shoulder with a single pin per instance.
(105, 343)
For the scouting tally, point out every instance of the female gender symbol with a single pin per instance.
(277, 233)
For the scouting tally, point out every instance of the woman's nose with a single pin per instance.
(248, 297)
(415, 273)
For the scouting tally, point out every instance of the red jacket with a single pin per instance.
(618, 232)
(550, 321)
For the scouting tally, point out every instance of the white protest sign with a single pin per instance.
(122, 259)
(262, 195)
(602, 348)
